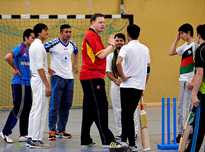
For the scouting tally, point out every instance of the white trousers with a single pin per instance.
(39, 110)
(116, 106)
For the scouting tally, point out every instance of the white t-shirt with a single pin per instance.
(61, 61)
(109, 65)
(109, 62)
(187, 52)
(135, 60)
(38, 57)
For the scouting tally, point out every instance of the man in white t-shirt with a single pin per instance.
(112, 74)
(40, 87)
(64, 61)
(133, 66)
(186, 51)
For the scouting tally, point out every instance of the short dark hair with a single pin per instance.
(120, 35)
(186, 28)
(201, 30)
(38, 28)
(64, 26)
(27, 33)
(95, 16)
(133, 31)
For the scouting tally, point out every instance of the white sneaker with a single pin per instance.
(134, 148)
(124, 144)
(6, 138)
(23, 138)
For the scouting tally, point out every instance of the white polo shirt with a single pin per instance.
(61, 54)
(38, 57)
(135, 60)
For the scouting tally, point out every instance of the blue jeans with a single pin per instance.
(60, 102)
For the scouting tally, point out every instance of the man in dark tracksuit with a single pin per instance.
(18, 59)
(198, 93)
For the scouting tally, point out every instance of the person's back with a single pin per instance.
(133, 67)
(135, 64)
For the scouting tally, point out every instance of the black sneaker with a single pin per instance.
(63, 135)
(32, 143)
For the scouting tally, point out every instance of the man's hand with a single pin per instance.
(51, 72)
(111, 40)
(190, 86)
(117, 81)
(178, 37)
(16, 72)
(195, 101)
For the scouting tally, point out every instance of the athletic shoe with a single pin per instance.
(89, 145)
(52, 135)
(36, 144)
(32, 143)
(23, 138)
(134, 148)
(6, 138)
(63, 135)
(124, 144)
(118, 138)
(113, 145)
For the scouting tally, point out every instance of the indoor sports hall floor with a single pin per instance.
(74, 125)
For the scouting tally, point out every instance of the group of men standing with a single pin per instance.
(31, 88)
(31, 76)
(128, 67)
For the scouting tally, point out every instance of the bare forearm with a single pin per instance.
(75, 60)
(75, 63)
(196, 84)
(9, 60)
(43, 77)
(172, 50)
(103, 53)
(147, 78)
(120, 70)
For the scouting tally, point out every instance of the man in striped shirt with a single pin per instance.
(186, 51)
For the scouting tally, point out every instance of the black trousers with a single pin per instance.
(95, 109)
(22, 101)
(201, 128)
(129, 101)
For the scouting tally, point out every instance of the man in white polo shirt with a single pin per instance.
(64, 61)
(40, 87)
(133, 66)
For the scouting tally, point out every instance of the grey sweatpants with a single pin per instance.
(184, 105)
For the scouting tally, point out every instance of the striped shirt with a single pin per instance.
(187, 52)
